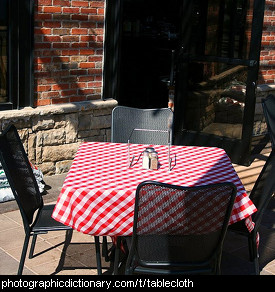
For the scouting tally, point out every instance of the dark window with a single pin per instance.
(16, 54)
(3, 52)
(208, 50)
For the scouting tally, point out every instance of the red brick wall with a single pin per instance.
(267, 65)
(68, 50)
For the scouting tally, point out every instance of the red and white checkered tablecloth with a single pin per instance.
(98, 194)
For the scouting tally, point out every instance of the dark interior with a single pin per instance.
(150, 33)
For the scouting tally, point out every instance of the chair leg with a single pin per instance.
(253, 253)
(256, 265)
(105, 249)
(32, 246)
(98, 256)
(23, 254)
(117, 251)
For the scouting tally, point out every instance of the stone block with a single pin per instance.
(51, 137)
(59, 153)
(63, 166)
(44, 123)
(71, 128)
(32, 147)
(88, 133)
(47, 168)
(84, 122)
(101, 122)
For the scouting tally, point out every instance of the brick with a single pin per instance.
(42, 31)
(50, 94)
(78, 72)
(42, 60)
(50, 38)
(80, 17)
(68, 92)
(61, 45)
(60, 100)
(44, 45)
(77, 98)
(97, 3)
(52, 9)
(43, 16)
(70, 38)
(44, 2)
(88, 10)
(52, 24)
(70, 10)
(87, 52)
(60, 86)
(87, 65)
(43, 87)
(70, 52)
(42, 102)
(79, 45)
(61, 31)
(79, 31)
(80, 3)
(61, 3)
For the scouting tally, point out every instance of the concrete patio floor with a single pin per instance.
(56, 255)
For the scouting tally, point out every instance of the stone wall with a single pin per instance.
(51, 134)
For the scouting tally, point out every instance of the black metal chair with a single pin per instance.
(179, 230)
(263, 188)
(35, 215)
(142, 126)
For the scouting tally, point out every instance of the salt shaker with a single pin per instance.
(146, 160)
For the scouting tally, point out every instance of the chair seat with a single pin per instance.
(46, 223)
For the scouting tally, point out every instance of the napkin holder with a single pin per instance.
(152, 161)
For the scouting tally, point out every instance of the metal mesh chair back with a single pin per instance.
(180, 226)
(268, 105)
(126, 119)
(19, 173)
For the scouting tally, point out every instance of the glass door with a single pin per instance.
(217, 73)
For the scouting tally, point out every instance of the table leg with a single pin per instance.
(98, 256)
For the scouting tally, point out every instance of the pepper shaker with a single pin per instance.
(154, 160)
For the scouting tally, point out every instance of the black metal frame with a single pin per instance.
(36, 216)
(111, 49)
(199, 267)
(239, 150)
(20, 54)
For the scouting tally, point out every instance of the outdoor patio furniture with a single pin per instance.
(100, 186)
(179, 230)
(35, 215)
(142, 126)
(263, 188)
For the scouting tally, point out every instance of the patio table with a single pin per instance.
(98, 194)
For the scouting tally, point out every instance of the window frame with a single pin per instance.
(20, 79)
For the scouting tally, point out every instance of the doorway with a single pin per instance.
(149, 36)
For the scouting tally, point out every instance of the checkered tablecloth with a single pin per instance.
(98, 194)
